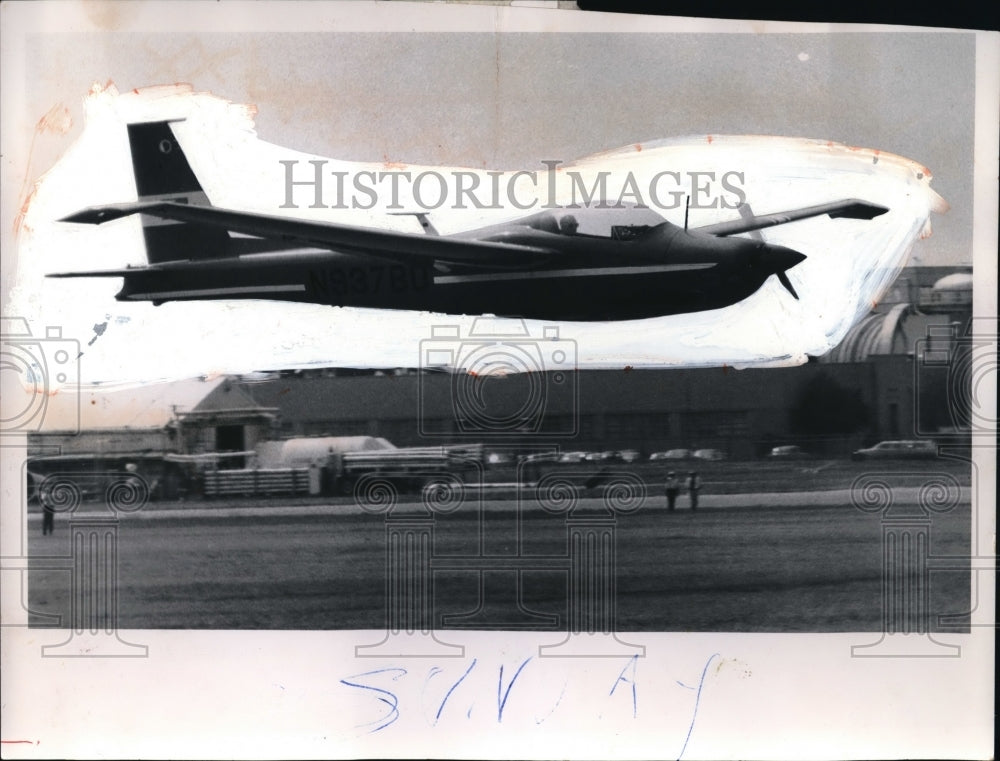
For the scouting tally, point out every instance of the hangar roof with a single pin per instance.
(146, 405)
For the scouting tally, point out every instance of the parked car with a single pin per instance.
(898, 450)
(538, 457)
(789, 452)
(628, 455)
(671, 454)
(573, 457)
(709, 454)
(600, 456)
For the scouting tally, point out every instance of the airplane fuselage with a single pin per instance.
(670, 271)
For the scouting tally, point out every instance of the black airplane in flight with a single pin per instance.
(543, 266)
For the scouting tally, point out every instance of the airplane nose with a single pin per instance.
(778, 258)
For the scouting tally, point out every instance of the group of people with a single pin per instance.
(673, 488)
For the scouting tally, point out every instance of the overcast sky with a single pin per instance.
(508, 101)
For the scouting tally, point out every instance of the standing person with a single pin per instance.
(48, 518)
(673, 487)
(693, 485)
(568, 225)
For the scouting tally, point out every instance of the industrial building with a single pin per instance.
(872, 386)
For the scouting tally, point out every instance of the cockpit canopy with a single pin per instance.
(624, 222)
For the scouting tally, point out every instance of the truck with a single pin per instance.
(345, 465)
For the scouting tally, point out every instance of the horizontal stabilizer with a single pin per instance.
(99, 273)
(850, 208)
(98, 215)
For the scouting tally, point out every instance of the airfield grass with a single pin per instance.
(791, 568)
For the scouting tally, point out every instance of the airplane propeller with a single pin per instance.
(746, 212)
(783, 279)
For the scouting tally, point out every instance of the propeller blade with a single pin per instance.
(783, 256)
(783, 278)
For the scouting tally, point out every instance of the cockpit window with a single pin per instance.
(624, 222)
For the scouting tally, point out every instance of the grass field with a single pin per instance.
(790, 567)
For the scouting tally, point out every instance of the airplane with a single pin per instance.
(541, 266)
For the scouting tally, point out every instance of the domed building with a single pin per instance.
(913, 342)
(924, 304)
(877, 334)
(951, 294)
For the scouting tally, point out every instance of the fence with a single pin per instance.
(261, 482)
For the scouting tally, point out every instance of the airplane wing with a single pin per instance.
(348, 239)
(850, 208)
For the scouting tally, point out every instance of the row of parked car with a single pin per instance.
(689, 454)
(624, 455)
(884, 450)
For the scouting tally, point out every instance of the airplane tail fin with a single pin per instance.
(162, 173)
